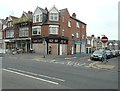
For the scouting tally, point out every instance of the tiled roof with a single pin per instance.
(28, 15)
(43, 10)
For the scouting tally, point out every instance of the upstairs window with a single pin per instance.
(37, 18)
(36, 30)
(54, 16)
(63, 18)
(72, 36)
(77, 25)
(69, 23)
(23, 32)
(83, 26)
(63, 31)
(77, 35)
(10, 34)
(83, 36)
(9, 24)
(53, 29)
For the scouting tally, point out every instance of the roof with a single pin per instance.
(62, 11)
(43, 10)
(28, 15)
(77, 20)
(13, 17)
(3, 21)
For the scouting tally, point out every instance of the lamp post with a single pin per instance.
(44, 42)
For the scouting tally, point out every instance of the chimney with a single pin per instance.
(29, 12)
(98, 37)
(46, 9)
(74, 15)
(92, 36)
(6, 18)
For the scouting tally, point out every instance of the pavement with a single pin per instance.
(71, 59)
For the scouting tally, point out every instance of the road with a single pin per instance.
(20, 72)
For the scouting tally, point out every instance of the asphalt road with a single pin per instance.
(26, 73)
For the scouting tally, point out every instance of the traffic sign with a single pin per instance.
(104, 39)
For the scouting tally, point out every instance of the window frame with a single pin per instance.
(38, 30)
(56, 27)
(77, 24)
(69, 23)
(52, 16)
(23, 31)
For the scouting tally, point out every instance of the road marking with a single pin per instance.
(37, 74)
(31, 76)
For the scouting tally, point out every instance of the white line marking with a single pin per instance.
(31, 77)
(37, 74)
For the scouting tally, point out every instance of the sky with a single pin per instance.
(101, 16)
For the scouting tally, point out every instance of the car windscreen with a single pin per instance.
(98, 52)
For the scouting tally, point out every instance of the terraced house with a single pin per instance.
(57, 32)
(50, 31)
(18, 32)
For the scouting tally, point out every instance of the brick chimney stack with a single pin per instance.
(74, 15)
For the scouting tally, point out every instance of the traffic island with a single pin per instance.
(100, 65)
(105, 66)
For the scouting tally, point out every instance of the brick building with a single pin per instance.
(17, 34)
(56, 31)
(46, 31)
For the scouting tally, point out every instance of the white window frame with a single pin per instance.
(83, 26)
(63, 32)
(37, 16)
(77, 35)
(63, 18)
(77, 24)
(38, 30)
(69, 23)
(54, 15)
(83, 36)
(53, 27)
(23, 31)
(10, 34)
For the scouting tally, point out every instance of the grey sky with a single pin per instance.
(101, 16)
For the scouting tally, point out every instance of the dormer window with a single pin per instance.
(37, 18)
(53, 14)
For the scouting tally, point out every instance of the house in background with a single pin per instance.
(93, 44)
(113, 45)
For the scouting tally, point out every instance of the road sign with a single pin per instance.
(104, 39)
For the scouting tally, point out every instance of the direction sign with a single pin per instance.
(104, 39)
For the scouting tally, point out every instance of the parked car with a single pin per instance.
(97, 55)
(114, 53)
(109, 54)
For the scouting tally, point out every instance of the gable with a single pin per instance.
(37, 11)
(9, 19)
(53, 10)
(23, 15)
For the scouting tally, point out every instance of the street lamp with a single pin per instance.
(44, 42)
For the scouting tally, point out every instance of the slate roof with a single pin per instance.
(28, 15)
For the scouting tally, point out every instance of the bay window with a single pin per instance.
(53, 29)
(23, 32)
(10, 34)
(36, 30)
